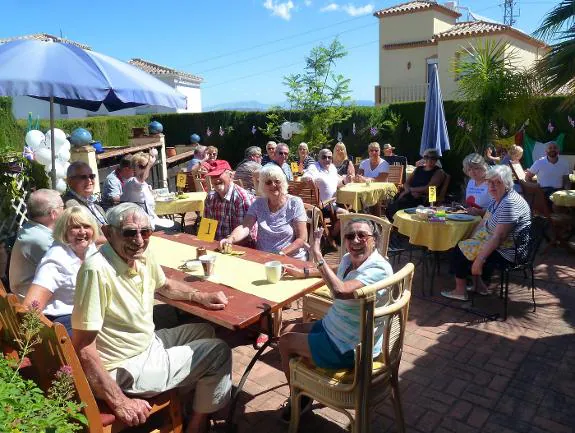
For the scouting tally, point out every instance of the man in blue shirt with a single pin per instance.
(44, 206)
(280, 159)
(114, 182)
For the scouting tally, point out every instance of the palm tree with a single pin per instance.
(557, 68)
(493, 91)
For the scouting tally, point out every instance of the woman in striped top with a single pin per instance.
(505, 216)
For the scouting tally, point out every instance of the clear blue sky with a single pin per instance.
(242, 48)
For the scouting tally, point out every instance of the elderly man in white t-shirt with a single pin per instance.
(324, 175)
(551, 171)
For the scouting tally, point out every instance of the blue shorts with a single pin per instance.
(324, 352)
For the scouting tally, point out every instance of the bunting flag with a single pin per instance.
(353, 129)
(221, 131)
(208, 131)
(339, 136)
(254, 129)
(407, 127)
(373, 131)
(550, 127)
(571, 121)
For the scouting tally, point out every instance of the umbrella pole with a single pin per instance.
(52, 146)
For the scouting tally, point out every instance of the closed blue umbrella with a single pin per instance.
(68, 75)
(434, 134)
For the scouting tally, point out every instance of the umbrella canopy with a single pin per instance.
(79, 78)
(69, 75)
(434, 134)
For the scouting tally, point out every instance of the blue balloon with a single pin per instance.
(155, 127)
(195, 138)
(80, 137)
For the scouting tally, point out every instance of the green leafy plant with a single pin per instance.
(556, 69)
(494, 91)
(23, 406)
(320, 93)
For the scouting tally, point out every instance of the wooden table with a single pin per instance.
(194, 202)
(244, 309)
(359, 195)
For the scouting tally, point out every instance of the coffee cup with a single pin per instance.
(208, 263)
(273, 271)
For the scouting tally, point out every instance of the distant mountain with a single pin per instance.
(258, 106)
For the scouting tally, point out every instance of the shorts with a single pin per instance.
(324, 352)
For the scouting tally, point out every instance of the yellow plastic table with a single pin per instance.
(564, 198)
(361, 195)
(194, 202)
(435, 236)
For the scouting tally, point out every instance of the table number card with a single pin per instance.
(432, 194)
(181, 180)
(295, 167)
(207, 229)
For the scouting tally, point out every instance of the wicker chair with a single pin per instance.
(369, 382)
(316, 304)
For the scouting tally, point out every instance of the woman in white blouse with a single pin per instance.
(477, 196)
(375, 167)
(52, 290)
(136, 189)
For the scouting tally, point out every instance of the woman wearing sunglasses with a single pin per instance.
(136, 189)
(281, 220)
(415, 189)
(52, 290)
(375, 167)
(330, 342)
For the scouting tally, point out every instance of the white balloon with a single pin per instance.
(61, 186)
(59, 138)
(34, 139)
(60, 170)
(63, 155)
(44, 156)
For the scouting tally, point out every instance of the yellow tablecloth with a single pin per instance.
(434, 236)
(235, 272)
(359, 195)
(564, 198)
(194, 203)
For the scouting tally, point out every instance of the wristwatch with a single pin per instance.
(320, 263)
(306, 272)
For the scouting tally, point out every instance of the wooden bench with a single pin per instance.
(56, 351)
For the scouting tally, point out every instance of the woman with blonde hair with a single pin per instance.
(211, 153)
(136, 189)
(375, 166)
(52, 290)
(341, 161)
(304, 160)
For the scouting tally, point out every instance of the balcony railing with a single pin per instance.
(415, 92)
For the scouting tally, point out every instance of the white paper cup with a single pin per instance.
(208, 263)
(273, 271)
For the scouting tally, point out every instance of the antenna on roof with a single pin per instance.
(511, 11)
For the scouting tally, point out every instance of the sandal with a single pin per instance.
(484, 292)
(450, 294)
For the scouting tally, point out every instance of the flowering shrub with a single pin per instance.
(23, 406)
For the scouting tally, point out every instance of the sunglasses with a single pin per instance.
(85, 176)
(326, 157)
(273, 182)
(213, 153)
(283, 153)
(374, 150)
(132, 233)
(431, 158)
(362, 236)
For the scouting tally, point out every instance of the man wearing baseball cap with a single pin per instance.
(227, 203)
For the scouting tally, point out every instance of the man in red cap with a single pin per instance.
(228, 203)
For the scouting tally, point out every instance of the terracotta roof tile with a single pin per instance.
(46, 37)
(155, 69)
(481, 28)
(416, 6)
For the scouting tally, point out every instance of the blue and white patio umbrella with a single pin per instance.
(434, 134)
(69, 75)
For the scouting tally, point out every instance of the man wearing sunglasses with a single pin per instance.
(270, 152)
(280, 159)
(324, 176)
(80, 192)
(228, 203)
(124, 358)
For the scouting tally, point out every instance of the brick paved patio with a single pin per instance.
(459, 372)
